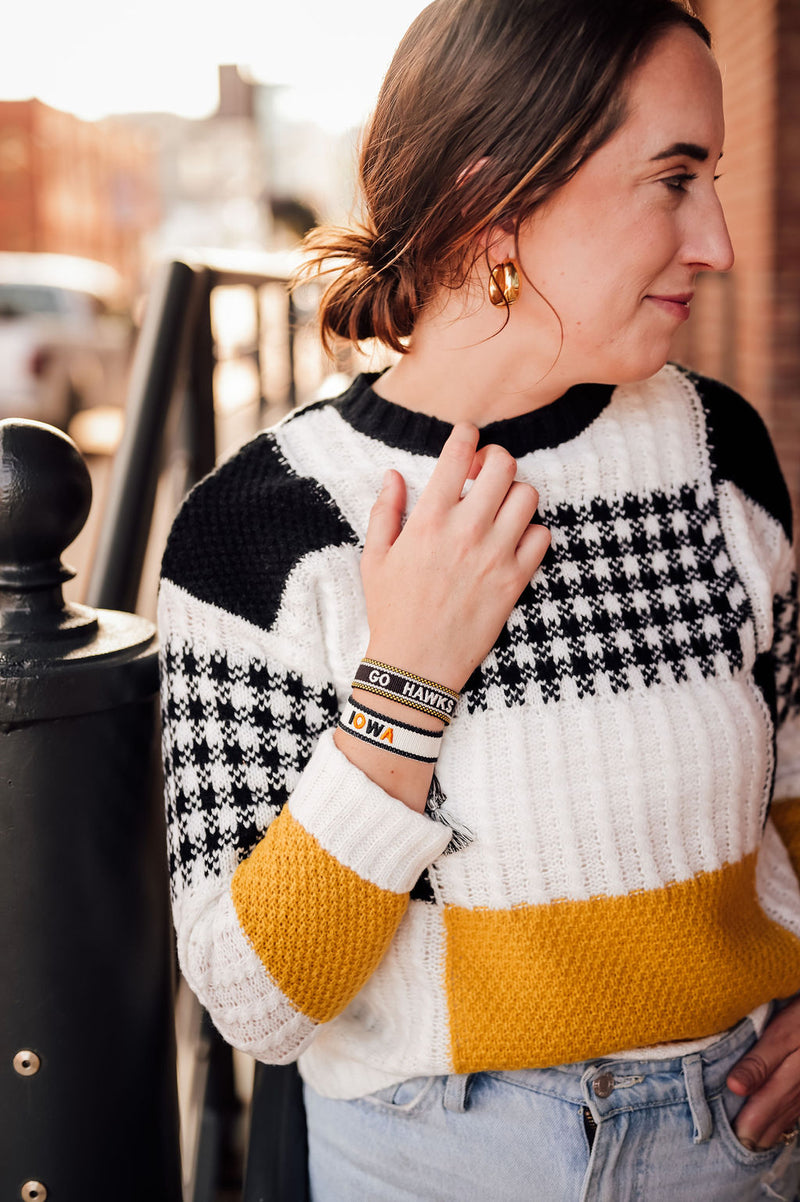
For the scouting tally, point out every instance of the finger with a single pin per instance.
(774, 1108)
(516, 511)
(477, 463)
(386, 516)
(781, 1037)
(453, 466)
(531, 550)
(750, 1073)
(492, 485)
(786, 1125)
(783, 1124)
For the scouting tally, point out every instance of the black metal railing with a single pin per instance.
(171, 381)
(170, 410)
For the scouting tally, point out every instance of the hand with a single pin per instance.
(769, 1075)
(439, 590)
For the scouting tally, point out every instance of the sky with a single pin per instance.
(95, 57)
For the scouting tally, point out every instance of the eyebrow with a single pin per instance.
(686, 149)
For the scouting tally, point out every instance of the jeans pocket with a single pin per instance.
(405, 1097)
(724, 1109)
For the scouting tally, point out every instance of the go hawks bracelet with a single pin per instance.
(396, 685)
(398, 737)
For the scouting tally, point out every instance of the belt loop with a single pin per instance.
(696, 1095)
(455, 1092)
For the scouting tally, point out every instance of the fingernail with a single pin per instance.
(387, 477)
(750, 1144)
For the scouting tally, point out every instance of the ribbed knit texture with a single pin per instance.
(614, 757)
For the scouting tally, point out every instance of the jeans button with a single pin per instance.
(603, 1085)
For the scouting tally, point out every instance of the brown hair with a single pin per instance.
(531, 87)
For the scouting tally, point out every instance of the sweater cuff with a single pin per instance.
(360, 824)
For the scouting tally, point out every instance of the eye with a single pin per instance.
(677, 183)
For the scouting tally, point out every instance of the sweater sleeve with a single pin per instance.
(744, 460)
(786, 657)
(290, 869)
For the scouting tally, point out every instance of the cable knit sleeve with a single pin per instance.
(290, 869)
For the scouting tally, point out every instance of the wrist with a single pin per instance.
(428, 664)
(396, 710)
(398, 684)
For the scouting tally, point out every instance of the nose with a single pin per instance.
(708, 246)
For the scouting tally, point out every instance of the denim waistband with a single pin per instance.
(608, 1086)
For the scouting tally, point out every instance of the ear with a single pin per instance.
(497, 242)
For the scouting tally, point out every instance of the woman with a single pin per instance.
(549, 968)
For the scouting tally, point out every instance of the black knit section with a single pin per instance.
(549, 426)
(245, 527)
(741, 449)
(764, 677)
(786, 651)
(423, 890)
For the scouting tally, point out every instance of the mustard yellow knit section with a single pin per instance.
(319, 929)
(543, 985)
(786, 816)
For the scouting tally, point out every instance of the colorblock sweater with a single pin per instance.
(624, 760)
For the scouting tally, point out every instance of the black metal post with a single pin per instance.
(160, 352)
(88, 1103)
(291, 329)
(200, 430)
(277, 1158)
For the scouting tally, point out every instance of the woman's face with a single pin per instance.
(617, 249)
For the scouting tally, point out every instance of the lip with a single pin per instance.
(676, 304)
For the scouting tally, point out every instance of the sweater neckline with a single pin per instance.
(549, 426)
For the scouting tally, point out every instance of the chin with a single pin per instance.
(645, 366)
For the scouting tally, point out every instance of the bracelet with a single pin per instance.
(410, 741)
(415, 691)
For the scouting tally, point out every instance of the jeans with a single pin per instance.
(600, 1131)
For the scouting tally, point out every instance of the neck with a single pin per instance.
(477, 363)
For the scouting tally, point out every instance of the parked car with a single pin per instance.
(65, 336)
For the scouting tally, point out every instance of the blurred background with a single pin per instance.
(130, 136)
(133, 135)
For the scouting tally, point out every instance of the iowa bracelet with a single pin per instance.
(398, 737)
(396, 685)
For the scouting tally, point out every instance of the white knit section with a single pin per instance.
(621, 793)
(294, 641)
(776, 882)
(758, 548)
(396, 1027)
(351, 465)
(645, 439)
(222, 968)
(359, 824)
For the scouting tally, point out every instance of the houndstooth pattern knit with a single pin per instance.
(615, 756)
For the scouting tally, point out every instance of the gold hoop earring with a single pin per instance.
(504, 283)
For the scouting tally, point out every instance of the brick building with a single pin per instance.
(745, 327)
(75, 187)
